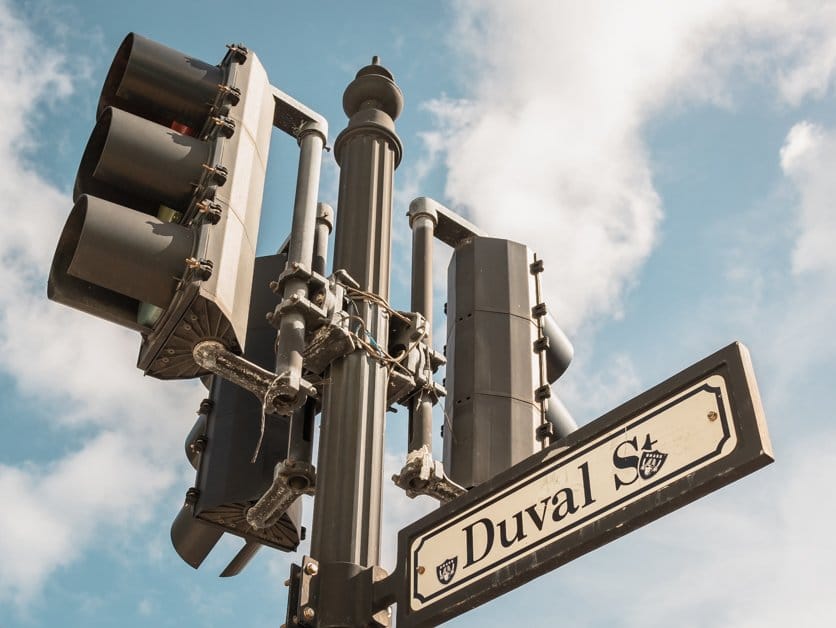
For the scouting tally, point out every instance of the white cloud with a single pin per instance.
(547, 146)
(51, 514)
(79, 370)
(763, 543)
(145, 607)
(808, 158)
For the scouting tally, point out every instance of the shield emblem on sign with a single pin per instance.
(446, 570)
(650, 463)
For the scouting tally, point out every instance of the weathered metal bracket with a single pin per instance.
(360, 604)
(291, 480)
(326, 344)
(421, 475)
(299, 609)
(417, 366)
(267, 386)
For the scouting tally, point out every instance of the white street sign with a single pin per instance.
(670, 440)
(698, 431)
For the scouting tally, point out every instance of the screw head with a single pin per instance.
(713, 416)
(311, 569)
(308, 613)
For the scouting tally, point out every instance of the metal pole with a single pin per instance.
(289, 392)
(346, 517)
(423, 221)
(302, 420)
(324, 225)
(291, 339)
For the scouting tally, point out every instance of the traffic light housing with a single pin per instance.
(502, 355)
(161, 238)
(221, 447)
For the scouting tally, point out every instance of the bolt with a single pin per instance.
(287, 582)
(308, 613)
(713, 416)
(421, 570)
(311, 569)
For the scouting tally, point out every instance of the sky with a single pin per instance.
(673, 164)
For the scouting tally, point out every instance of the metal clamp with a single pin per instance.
(212, 211)
(421, 475)
(291, 479)
(276, 394)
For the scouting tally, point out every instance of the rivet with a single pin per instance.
(713, 416)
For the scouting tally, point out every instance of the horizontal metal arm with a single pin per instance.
(292, 479)
(213, 356)
(290, 115)
(450, 228)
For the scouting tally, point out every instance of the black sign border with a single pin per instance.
(753, 451)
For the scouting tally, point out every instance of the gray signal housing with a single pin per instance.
(493, 369)
(167, 199)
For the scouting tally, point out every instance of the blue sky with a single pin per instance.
(673, 163)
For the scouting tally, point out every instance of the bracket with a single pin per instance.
(421, 475)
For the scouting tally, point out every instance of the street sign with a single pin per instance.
(699, 430)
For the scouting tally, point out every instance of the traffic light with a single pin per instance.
(221, 447)
(503, 351)
(161, 238)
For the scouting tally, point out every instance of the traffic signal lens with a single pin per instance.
(160, 83)
(125, 251)
(134, 161)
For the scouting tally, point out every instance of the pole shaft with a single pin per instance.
(291, 340)
(421, 409)
(346, 518)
